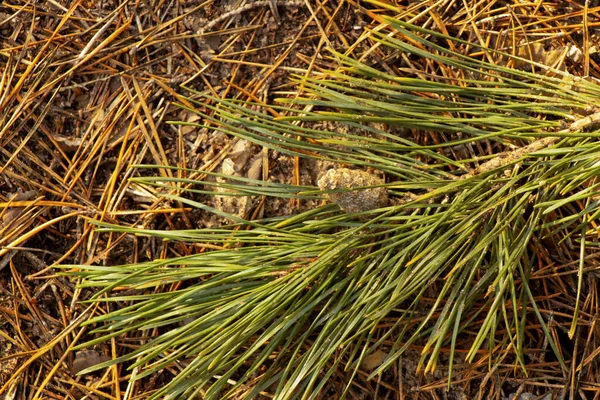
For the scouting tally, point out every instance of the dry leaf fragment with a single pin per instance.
(373, 360)
(12, 213)
(255, 169)
(86, 359)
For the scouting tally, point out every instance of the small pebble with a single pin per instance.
(357, 200)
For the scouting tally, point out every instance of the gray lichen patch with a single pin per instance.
(354, 201)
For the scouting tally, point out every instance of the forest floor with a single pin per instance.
(87, 89)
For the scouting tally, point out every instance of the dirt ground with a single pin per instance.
(86, 91)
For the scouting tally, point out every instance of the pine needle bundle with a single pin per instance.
(279, 304)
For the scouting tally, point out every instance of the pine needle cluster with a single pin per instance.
(449, 262)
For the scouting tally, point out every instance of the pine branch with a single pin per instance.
(306, 292)
(506, 158)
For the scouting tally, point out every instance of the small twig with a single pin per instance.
(506, 158)
(248, 7)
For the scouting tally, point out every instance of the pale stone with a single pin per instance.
(356, 200)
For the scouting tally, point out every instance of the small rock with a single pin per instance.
(356, 200)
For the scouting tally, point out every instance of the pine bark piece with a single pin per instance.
(356, 200)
